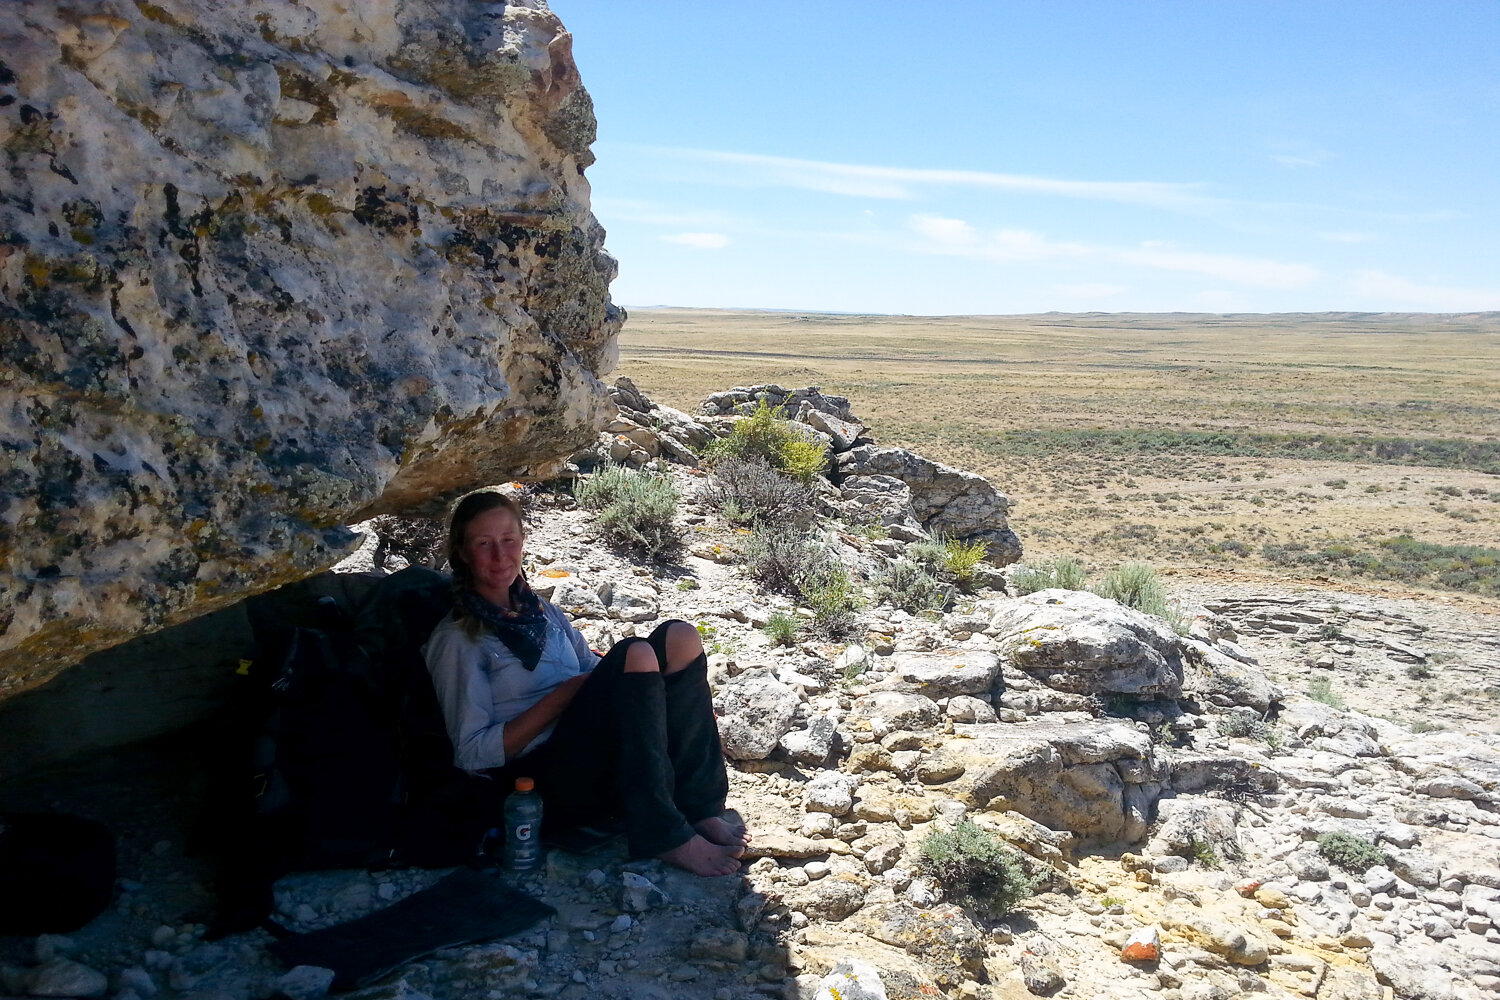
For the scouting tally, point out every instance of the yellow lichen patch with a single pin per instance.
(158, 14)
(424, 124)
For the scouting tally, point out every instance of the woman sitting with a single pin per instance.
(631, 734)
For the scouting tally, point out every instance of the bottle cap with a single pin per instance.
(524, 784)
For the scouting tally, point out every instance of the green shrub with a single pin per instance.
(1350, 852)
(1062, 573)
(962, 558)
(1203, 852)
(931, 555)
(785, 559)
(782, 628)
(977, 869)
(1241, 725)
(780, 557)
(911, 588)
(835, 600)
(766, 434)
(1136, 585)
(748, 490)
(637, 510)
(1320, 688)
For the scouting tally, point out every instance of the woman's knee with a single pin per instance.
(683, 644)
(640, 657)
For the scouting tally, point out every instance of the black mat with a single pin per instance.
(462, 908)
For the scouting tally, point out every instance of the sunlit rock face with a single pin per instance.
(266, 269)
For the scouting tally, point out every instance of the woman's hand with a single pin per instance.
(520, 731)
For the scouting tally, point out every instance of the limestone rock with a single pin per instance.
(742, 399)
(964, 708)
(943, 937)
(843, 433)
(1233, 943)
(1040, 976)
(949, 673)
(757, 710)
(959, 504)
(1066, 776)
(304, 982)
(1078, 642)
(63, 977)
(851, 979)
(1188, 823)
(1414, 974)
(269, 269)
(830, 792)
(832, 898)
(1143, 945)
(882, 500)
(814, 744)
(897, 709)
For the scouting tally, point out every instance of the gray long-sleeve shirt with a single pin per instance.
(481, 685)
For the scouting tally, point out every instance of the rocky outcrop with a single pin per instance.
(956, 503)
(1098, 780)
(268, 269)
(1077, 642)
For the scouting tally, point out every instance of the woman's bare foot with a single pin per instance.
(718, 830)
(702, 858)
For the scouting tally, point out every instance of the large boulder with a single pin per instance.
(756, 711)
(270, 268)
(947, 673)
(956, 503)
(1075, 641)
(1096, 779)
(882, 500)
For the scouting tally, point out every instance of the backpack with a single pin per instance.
(341, 757)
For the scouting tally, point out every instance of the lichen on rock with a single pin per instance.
(268, 269)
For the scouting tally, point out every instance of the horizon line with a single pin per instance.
(1064, 312)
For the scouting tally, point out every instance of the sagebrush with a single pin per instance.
(748, 490)
(1054, 574)
(1137, 585)
(908, 586)
(785, 559)
(977, 869)
(637, 510)
(1350, 852)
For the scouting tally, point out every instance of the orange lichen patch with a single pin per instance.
(554, 574)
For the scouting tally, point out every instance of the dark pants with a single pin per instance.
(641, 746)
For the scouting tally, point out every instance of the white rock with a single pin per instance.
(830, 792)
(304, 982)
(63, 977)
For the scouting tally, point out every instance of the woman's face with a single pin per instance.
(492, 549)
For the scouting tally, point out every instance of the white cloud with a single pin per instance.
(893, 183)
(703, 241)
(957, 237)
(1395, 289)
(1256, 271)
(953, 232)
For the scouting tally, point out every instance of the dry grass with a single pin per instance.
(1191, 441)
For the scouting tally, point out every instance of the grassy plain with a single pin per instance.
(1294, 446)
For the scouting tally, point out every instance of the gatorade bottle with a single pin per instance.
(523, 827)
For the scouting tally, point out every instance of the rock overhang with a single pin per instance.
(267, 271)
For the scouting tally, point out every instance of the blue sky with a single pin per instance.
(967, 157)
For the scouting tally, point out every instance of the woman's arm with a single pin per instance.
(456, 664)
(520, 731)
